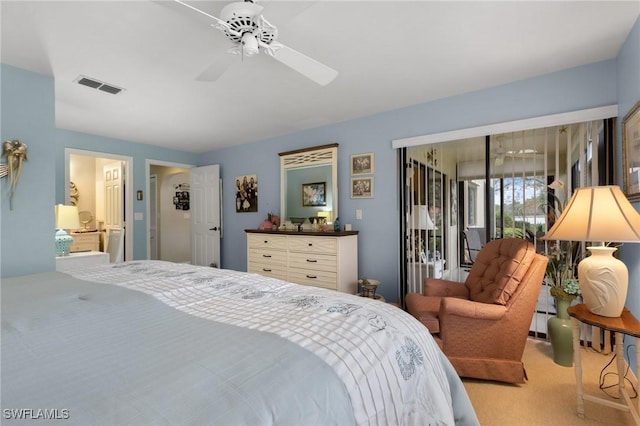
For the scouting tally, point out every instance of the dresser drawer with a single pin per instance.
(273, 257)
(85, 242)
(313, 245)
(273, 271)
(313, 261)
(267, 241)
(315, 278)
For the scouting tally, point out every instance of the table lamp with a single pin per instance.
(421, 220)
(66, 218)
(599, 214)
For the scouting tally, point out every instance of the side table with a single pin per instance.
(624, 324)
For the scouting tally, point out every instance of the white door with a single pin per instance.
(112, 178)
(153, 217)
(205, 216)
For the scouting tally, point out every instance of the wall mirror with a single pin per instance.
(309, 184)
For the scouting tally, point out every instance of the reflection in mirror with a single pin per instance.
(309, 187)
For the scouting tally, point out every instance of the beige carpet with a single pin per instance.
(549, 396)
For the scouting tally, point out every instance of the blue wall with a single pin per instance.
(379, 239)
(27, 230)
(28, 115)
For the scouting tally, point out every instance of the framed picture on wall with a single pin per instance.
(631, 153)
(313, 194)
(362, 187)
(362, 164)
(246, 193)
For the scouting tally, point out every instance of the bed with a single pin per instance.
(152, 342)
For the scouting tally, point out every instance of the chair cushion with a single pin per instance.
(499, 269)
(429, 320)
(425, 309)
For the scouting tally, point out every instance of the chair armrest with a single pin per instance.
(466, 308)
(444, 288)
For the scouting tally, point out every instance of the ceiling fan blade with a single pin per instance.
(215, 19)
(305, 65)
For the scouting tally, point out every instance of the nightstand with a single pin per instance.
(81, 259)
(624, 324)
(83, 241)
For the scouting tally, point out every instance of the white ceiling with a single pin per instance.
(389, 54)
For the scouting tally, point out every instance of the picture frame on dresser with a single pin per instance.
(631, 153)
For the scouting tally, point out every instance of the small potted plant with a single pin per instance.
(369, 287)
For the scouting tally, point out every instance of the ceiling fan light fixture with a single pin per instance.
(249, 45)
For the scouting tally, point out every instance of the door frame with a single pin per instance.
(153, 223)
(147, 183)
(128, 189)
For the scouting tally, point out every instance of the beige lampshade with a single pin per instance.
(420, 218)
(66, 217)
(597, 214)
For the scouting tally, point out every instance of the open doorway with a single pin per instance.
(97, 183)
(185, 213)
(169, 207)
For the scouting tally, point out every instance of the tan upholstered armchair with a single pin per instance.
(482, 324)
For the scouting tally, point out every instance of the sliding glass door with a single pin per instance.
(459, 194)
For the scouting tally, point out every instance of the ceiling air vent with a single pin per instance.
(97, 84)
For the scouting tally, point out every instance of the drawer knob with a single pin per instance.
(266, 241)
(266, 269)
(311, 276)
(266, 255)
(310, 244)
(312, 261)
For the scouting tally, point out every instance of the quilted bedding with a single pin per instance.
(150, 342)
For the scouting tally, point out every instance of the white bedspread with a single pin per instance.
(390, 365)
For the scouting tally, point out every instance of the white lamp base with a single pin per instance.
(63, 242)
(603, 282)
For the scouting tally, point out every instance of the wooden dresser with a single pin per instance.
(85, 241)
(321, 259)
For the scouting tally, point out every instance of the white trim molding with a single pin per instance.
(510, 126)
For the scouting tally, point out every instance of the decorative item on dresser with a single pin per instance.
(320, 259)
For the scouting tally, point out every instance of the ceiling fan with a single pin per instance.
(243, 24)
(500, 153)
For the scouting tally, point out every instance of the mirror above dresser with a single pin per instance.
(309, 184)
